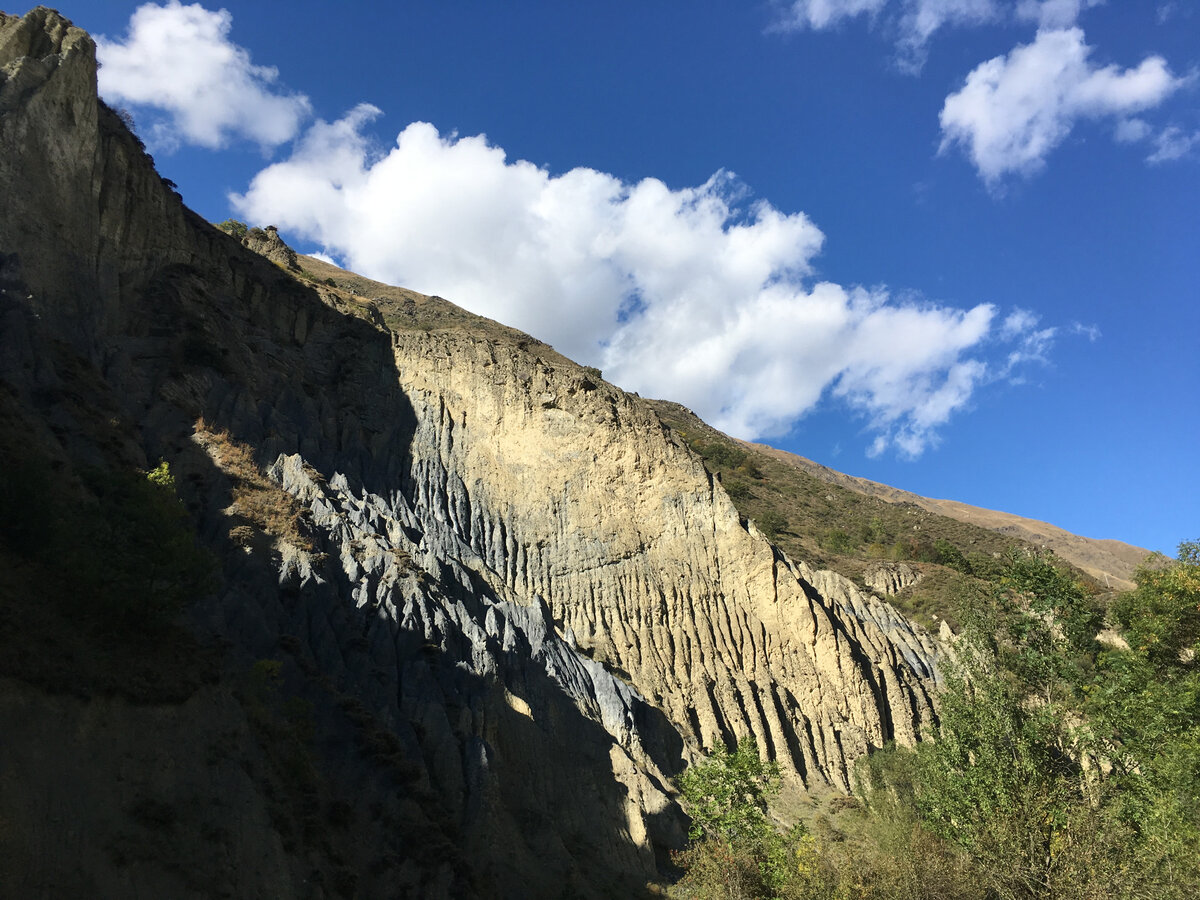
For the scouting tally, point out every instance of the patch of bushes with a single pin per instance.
(234, 228)
(126, 548)
(771, 523)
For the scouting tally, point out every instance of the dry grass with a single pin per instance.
(256, 499)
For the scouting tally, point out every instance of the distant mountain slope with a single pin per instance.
(1110, 562)
(843, 521)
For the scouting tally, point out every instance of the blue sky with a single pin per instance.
(949, 245)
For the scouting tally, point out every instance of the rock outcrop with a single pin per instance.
(890, 579)
(509, 574)
(572, 491)
(267, 242)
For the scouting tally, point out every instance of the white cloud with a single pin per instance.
(676, 293)
(1018, 322)
(1052, 14)
(1031, 344)
(1013, 110)
(1173, 143)
(923, 18)
(1169, 144)
(179, 59)
(911, 22)
(1091, 332)
(1130, 131)
(819, 14)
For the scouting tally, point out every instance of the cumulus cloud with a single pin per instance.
(699, 294)
(820, 14)
(179, 60)
(1014, 109)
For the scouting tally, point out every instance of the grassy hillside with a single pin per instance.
(834, 527)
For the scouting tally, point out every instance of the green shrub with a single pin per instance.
(737, 852)
(738, 490)
(835, 540)
(949, 555)
(132, 552)
(234, 228)
(771, 523)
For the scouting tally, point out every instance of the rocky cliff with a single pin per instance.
(512, 604)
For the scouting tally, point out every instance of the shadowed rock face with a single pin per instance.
(509, 572)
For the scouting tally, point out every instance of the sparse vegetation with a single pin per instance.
(831, 526)
(1061, 768)
(736, 850)
(257, 501)
(95, 568)
(233, 228)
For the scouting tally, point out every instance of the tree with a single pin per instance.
(234, 227)
(737, 853)
(1145, 709)
(995, 780)
(134, 552)
(727, 794)
(1065, 769)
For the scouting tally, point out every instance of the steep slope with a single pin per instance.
(512, 602)
(1110, 562)
(914, 550)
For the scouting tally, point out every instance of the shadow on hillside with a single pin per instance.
(502, 770)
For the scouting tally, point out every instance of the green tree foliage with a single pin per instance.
(771, 523)
(1144, 707)
(123, 549)
(738, 852)
(949, 555)
(997, 781)
(1063, 769)
(234, 228)
(836, 540)
(133, 550)
(727, 794)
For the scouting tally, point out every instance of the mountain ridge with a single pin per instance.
(465, 588)
(1107, 559)
(473, 606)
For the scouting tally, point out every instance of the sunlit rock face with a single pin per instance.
(503, 562)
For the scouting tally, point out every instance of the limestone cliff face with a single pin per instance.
(505, 572)
(573, 492)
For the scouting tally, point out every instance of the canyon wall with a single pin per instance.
(502, 570)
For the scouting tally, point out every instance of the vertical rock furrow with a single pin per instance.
(637, 552)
